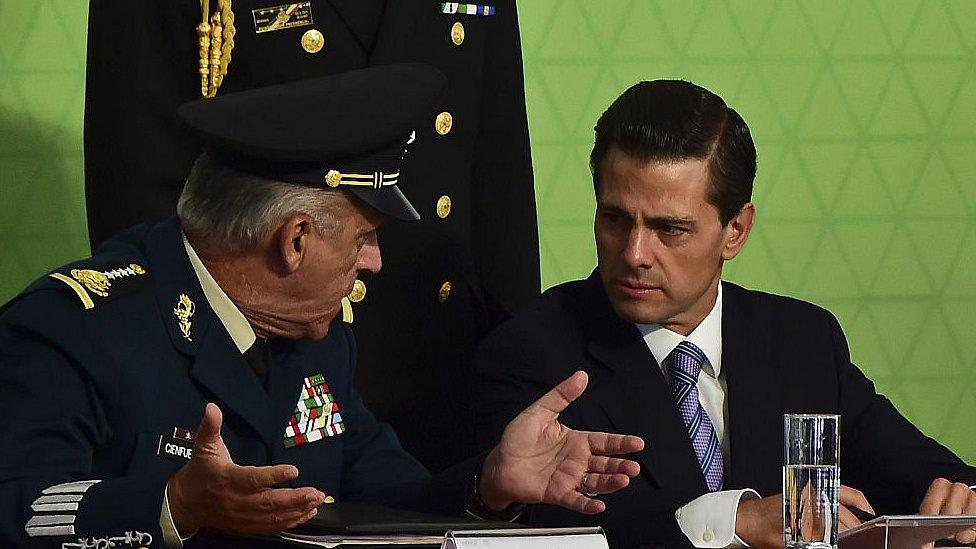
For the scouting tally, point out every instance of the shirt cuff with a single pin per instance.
(709, 520)
(171, 536)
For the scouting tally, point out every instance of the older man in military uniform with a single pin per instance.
(448, 279)
(227, 312)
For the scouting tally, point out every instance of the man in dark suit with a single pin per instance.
(702, 369)
(448, 279)
(226, 312)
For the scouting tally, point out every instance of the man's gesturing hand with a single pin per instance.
(540, 460)
(211, 491)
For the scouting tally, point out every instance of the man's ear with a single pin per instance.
(737, 231)
(294, 239)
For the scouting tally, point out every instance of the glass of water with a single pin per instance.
(811, 480)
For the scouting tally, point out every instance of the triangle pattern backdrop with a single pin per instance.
(863, 112)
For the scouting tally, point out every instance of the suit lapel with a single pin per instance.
(755, 409)
(637, 398)
(216, 363)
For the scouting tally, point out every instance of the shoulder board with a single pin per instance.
(93, 284)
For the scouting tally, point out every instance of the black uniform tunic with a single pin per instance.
(100, 384)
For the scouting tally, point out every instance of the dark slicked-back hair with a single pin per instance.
(671, 120)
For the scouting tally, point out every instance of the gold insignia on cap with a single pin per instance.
(444, 292)
(457, 33)
(183, 311)
(358, 292)
(444, 207)
(333, 178)
(137, 269)
(346, 311)
(313, 41)
(444, 123)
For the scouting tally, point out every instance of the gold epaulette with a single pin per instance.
(216, 35)
(92, 286)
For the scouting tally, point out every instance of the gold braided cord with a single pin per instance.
(216, 34)
(216, 40)
(227, 15)
(203, 33)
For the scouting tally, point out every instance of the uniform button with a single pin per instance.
(444, 123)
(444, 207)
(457, 33)
(333, 178)
(707, 536)
(444, 292)
(358, 292)
(329, 499)
(312, 41)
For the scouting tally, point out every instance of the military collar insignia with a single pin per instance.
(89, 284)
(183, 311)
(316, 414)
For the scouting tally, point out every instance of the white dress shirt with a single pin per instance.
(708, 521)
(240, 331)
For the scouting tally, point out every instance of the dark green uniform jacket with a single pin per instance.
(100, 382)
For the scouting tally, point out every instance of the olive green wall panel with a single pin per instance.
(863, 113)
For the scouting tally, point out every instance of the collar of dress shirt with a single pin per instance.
(230, 316)
(707, 336)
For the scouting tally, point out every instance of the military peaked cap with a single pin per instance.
(349, 130)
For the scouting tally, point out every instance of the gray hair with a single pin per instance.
(236, 210)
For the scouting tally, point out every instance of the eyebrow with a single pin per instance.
(650, 220)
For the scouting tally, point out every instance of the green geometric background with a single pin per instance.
(863, 112)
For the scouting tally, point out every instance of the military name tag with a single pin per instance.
(179, 446)
(285, 16)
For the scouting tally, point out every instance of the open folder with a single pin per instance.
(904, 531)
(361, 524)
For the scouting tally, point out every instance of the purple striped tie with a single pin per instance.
(684, 365)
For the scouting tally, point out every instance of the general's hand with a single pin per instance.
(950, 498)
(759, 522)
(540, 460)
(211, 491)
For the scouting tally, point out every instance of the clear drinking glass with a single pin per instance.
(811, 480)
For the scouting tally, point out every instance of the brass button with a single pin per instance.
(457, 33)
(358, 292)
(444, 292)
(444, 207)
(333, 178)
(444, 123)
(312, 41)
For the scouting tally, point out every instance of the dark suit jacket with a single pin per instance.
(780, 355)
(95, 394)
(142, 64)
